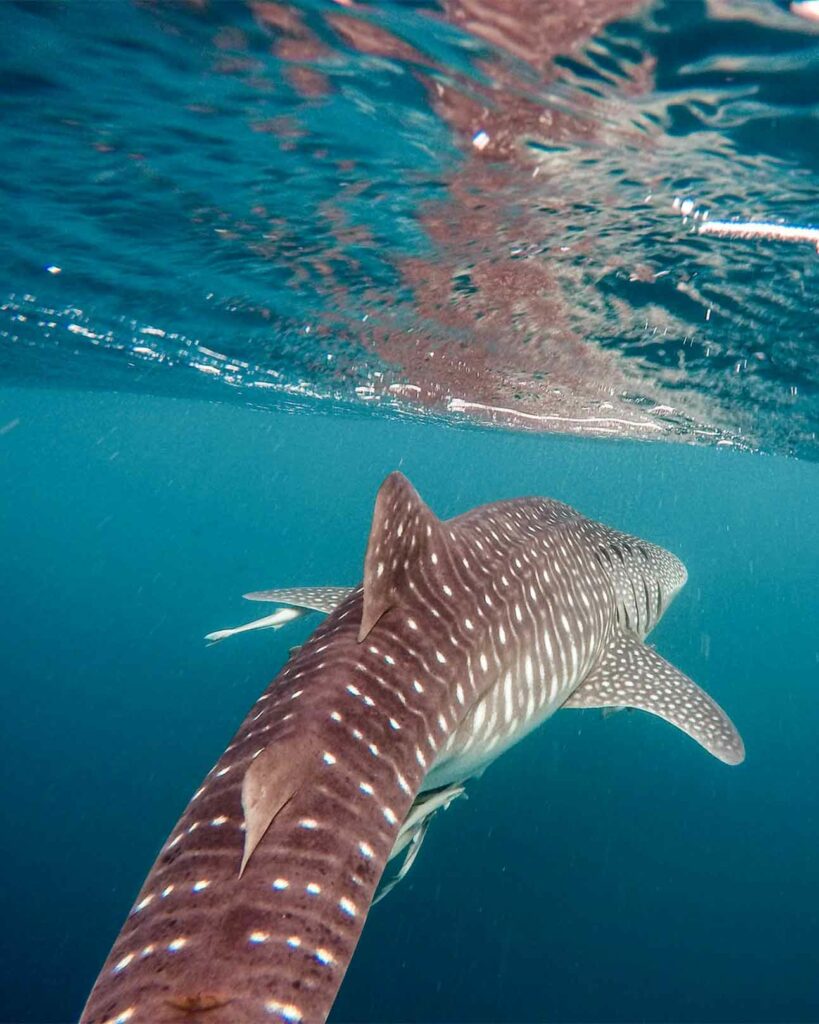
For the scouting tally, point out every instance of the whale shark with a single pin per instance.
(464, 635)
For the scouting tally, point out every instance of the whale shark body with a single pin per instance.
(464, 636)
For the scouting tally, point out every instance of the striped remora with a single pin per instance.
(464, 635)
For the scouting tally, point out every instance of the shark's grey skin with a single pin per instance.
(464, 635)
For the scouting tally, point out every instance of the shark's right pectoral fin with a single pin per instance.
(631, 674)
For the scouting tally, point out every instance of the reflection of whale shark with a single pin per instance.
(463, 636)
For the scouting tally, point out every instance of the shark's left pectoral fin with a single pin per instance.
(313, 599)
(630, 674)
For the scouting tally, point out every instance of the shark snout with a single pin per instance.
(669, 573)
(678, 575)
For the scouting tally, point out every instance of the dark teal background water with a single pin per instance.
(603, 870)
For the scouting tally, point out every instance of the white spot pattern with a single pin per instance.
(519, 609)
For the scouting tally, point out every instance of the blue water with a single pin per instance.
(258, 255)
(605, 869)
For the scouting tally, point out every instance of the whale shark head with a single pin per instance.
(646, 578)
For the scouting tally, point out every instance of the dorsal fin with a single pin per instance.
(404, 530)
(270, 783)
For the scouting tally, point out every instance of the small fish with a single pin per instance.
(302, 600)
(464, 636)
(274, 621)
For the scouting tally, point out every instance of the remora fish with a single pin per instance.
(464, 636)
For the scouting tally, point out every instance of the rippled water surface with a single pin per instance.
(469, 209)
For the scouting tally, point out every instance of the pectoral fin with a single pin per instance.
(630, 674)
(314, 599)
(608, 712)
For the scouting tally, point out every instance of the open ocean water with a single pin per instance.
(258, 255)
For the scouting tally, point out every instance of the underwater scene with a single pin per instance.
(408, 544)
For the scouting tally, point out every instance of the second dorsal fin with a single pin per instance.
(404, 531)
(270, 783)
